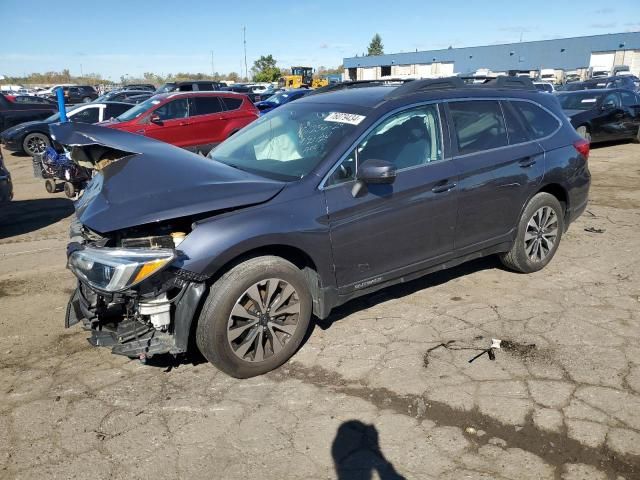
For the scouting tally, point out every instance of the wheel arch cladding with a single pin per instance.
(559, 192)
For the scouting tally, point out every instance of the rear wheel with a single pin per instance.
(50, 185)
(636, 139)
(255, 317)
(69, 189)
(584, 132)
(539, 233)
(86, 99)
(35, 143)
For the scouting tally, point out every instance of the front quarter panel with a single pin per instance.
(300, 223)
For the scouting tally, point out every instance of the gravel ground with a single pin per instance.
(382, 389)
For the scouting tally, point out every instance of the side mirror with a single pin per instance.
(608, 106)
(377, 172)
(155, 118)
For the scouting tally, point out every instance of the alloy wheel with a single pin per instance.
(263, 320)
(541, 234)
(36, 144)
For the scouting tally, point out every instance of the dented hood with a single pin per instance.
(141, 181)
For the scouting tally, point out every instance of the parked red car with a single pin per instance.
(197, 121)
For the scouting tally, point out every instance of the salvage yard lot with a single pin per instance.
(383, 385)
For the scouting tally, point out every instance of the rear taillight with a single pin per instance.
(582, 146)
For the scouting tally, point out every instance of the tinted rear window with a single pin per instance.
(231, 103)
(538, 122)
(479, 125)
(207, 105)
(515, 126)
(207, 86)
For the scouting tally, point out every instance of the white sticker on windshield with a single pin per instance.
(340, 117)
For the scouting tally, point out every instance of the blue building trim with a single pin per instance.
(564, 53)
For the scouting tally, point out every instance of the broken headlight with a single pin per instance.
(116, 269)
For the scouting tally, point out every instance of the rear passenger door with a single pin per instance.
(235, 116)
(207, 121)
(499, 165)
(631, 108)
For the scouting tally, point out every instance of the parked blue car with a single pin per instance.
(274, 101)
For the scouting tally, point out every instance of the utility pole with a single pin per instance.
(81, 74)
(244, 40)
(212, 70)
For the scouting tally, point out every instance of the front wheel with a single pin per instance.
(255, 317)
(35, 143)
(539, 233)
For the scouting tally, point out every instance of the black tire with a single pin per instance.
(212, 329)
(50, 185)
(584, 132)
(35, 143)
(86, 99)
(636, 139)
(517, 258)
(69, 189)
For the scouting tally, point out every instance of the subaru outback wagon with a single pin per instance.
(325, 199)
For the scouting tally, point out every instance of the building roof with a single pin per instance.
(565, 53)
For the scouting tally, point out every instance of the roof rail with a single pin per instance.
(521, 83)
(425, 85)
(359, 84)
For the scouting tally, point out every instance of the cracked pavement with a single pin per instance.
(382, 389)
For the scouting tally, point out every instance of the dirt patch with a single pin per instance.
(556, 449)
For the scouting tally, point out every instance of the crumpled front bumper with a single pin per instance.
(127, 335)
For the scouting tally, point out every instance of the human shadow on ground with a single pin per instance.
(356, 453)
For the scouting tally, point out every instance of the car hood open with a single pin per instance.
(141, 181)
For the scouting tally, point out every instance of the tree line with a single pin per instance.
(264, 69)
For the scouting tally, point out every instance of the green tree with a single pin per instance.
(233, 77)
(264, 69)
(376, 47)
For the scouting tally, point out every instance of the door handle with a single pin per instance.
(443, 188)
(527, 162)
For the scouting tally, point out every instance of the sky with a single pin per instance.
(118, 37)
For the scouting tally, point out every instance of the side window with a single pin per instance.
(89, 115)
(612, 100)
(114, 110)
(539, 123)
(175, 109)
(478, 125)
(345, 172)
(187, 87)
(204, 87)
(207, 105)
(515, 128)
(231, 103)
(407, 139)
(628, 99)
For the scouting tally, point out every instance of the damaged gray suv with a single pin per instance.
(325, 199)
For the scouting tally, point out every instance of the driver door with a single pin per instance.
(172, 125)
(382, 231)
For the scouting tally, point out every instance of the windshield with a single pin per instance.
(279, 98)
(578, 101)
(167, 87)
(288, 143)
(56, 116)
(138, 110)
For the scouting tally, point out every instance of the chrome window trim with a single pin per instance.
(322, 185)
